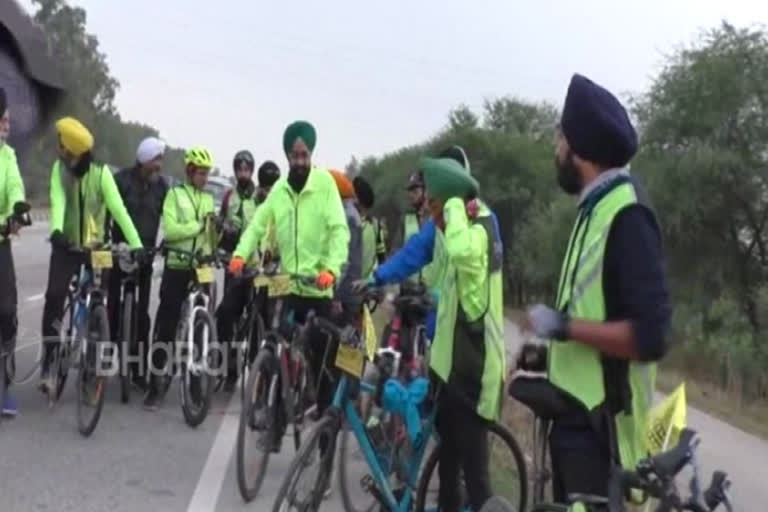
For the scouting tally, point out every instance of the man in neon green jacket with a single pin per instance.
(187, 212)
(311, 234)
(11, 194)
(81, 192)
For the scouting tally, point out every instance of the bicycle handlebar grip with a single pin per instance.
(668, 464)
(713, 496)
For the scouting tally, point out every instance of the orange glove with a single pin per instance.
(325, 280)
(236, 265)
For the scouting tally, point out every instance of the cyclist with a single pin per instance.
(612, 309)
(374, 230)
(187, 210)
(11, 194)
(143, 191)
(239, 203)
(347, 304)
(236, 292)
(467, 358)
(81, 192)
(311, 235)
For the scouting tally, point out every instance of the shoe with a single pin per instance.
(10, 407)
(152, 399)
(47, 384)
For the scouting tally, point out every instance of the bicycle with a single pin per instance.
(350, 360)
(279, 388)
(128, 319)
(83, 331)
(197, 329)
(20, 217)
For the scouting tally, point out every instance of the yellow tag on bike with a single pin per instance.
(101, 260)
(260, 281)
(204, 274)
(280, 286)
(369, 334)
(350, 360)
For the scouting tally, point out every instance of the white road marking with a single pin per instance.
(211, 479)
(33, 298)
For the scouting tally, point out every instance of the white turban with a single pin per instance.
(149, 149)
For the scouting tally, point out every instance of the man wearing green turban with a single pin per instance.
(299, 141)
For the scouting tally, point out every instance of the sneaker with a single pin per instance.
(10, 407)
(152, 399)
(47, 384)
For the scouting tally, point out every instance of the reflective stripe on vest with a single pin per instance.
(468, 351)
(576, 368)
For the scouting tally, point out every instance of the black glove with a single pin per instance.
(21, 208)
(142, 256)
(60, 241)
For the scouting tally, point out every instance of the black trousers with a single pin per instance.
(174, 290)
(237, 292)
(464, 447)
(144, 282)
(580, 460)
(63, 265)
(8, 299)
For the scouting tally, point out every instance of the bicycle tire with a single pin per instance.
(194, 416)
(301, 398)
(98, 326)
(264, 367)
(126, 342)
(509, 440)
(61, 351)
(328, 425)
(253, 335)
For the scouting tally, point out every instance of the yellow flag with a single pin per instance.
(369, 333)
(666, 421)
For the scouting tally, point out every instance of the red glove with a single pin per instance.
(236, 265)
(325, 280)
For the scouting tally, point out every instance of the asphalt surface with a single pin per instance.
(140, 460)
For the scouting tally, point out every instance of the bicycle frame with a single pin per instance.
(342, 402)
(197, 300)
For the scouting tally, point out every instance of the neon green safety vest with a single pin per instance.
(468, 351)
(373, 235)
(11, 186)
(576, 368)
(184, 212)
(241, 209)
(79, 206)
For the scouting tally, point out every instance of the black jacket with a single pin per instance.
(144, 201)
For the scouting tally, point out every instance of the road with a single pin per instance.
(138, 460)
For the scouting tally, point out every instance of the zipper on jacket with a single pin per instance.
(296, 234)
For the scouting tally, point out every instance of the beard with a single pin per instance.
(297, 177)
(568, 176)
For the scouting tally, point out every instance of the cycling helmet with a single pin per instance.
(416, 180)
(269, 173)
(243, 156)
(74, 136)
(198, 156)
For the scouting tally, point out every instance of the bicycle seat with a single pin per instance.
(540, 396)
(668, 464)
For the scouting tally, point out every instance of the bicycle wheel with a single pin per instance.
(62, 351)
(252, 337)
(257, 424)
(507, 471)
(196, 382)
(90, 379)
(324, 432)
(126, 342)
(3, 374)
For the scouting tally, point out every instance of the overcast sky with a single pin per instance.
(372, 76)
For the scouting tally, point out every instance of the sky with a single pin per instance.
(373, 76)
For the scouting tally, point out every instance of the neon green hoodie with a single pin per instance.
(93, 193)
(310, 229)
(11, 186)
